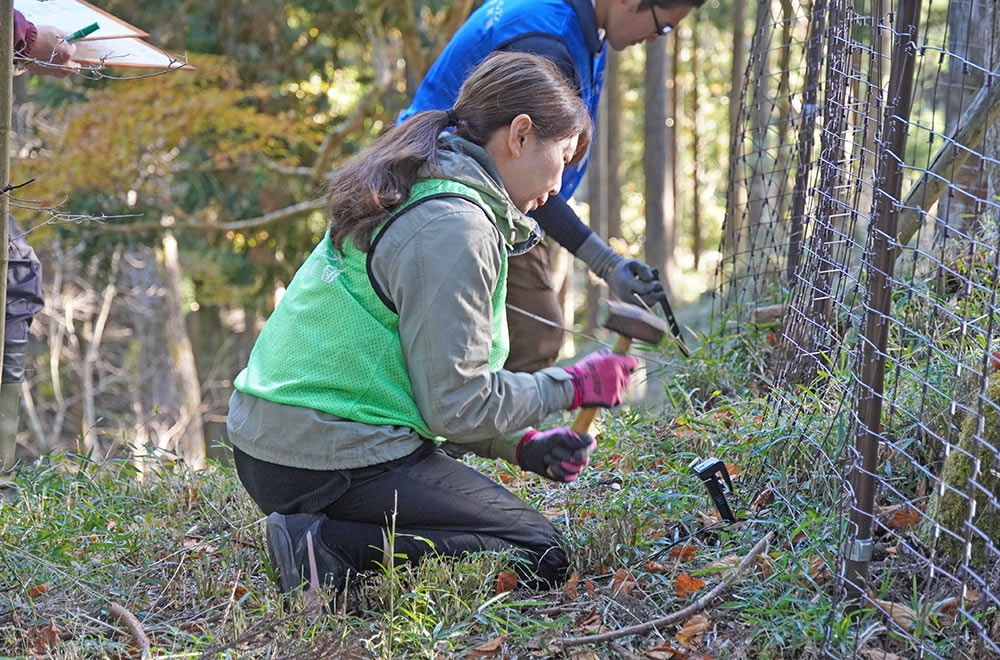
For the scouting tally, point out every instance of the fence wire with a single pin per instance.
(862, 239)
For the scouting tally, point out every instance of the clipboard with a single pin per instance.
(114, 43)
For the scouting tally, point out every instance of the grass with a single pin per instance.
(185, 552)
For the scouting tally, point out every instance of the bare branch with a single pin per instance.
(367, 104)
(959, 146)
(134, 627)
(679, 615)
(237, 225)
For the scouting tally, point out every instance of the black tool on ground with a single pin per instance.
(675, 327)
(709, 471)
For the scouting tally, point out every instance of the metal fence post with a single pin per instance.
(880, 261)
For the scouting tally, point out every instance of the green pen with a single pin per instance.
(81, 33)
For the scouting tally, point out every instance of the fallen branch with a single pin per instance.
(679, 615)
(134, 627)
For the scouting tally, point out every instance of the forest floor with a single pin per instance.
(185, 553)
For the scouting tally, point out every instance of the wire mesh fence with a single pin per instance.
(862, 240)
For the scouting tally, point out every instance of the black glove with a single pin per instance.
(627, 278)
(557, 454)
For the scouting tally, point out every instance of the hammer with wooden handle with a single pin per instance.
(630, 322)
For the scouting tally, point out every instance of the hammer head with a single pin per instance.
(632, 322)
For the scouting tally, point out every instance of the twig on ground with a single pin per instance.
(623, 652)
(679, 615)
(134, 627)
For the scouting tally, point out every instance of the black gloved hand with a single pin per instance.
(558, 454)
(629, 278)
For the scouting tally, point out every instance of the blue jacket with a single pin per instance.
(570, 25)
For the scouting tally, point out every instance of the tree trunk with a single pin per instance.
(94, 332)
(597, 197)
(696, 231)
(973, 38)
(734, 190)
(656, 161)
(616, 172)
(191, 443)
(759, 209)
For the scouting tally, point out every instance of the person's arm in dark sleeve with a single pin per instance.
(561, 222)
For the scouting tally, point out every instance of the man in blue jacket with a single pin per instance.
(574, 34)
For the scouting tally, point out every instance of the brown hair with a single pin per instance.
(366, 188)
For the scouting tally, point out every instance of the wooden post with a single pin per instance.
(880, 262)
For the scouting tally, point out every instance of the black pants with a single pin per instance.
(434, 496)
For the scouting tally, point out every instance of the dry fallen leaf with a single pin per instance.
(725, 563)
(506, 581)
(685, 584)
(904, 518)
(682, 552)
(656, 567)
(198, 547)
(691, 629)
(818, 570)
(589, 621)
(733, 469)
(40, 639)
(584, 655)
(237, 590)
(665, 651)
(589, 586)
(488, 649)
(763, 500)
(37, 590)
(765, 565)
(903, 615)
(622, 582)
(708, 519)
(570, 590)
(875, 654)
(190, 495)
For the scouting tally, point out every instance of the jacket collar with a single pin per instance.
(520, 232)
(587, 17)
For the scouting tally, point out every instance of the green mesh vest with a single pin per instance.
(332, 344)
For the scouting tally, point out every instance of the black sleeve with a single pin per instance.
(548, 46)
(561, 223)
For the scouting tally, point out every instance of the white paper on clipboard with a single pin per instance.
(72, 15)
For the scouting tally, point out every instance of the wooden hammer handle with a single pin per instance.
(586, 415)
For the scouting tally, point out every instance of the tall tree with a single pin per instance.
(733, 189)
(696, 229)
(597, 194)
(616, 174)
(660, 220)
(974, 46)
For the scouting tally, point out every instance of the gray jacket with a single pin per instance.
(438, 263)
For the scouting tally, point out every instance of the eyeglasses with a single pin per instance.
(661, 30)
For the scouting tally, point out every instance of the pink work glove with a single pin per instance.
(557, 454)
(600, 378)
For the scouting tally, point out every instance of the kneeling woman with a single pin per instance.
(392, 335)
